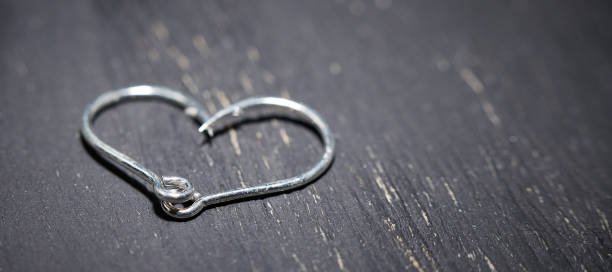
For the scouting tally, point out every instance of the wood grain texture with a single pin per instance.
(472, 135)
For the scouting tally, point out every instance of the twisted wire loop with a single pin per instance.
(177, 195)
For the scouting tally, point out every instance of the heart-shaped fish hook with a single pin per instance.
(177, 195)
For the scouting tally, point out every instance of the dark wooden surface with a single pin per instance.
(472, 135)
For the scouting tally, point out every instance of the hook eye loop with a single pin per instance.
(174, 189)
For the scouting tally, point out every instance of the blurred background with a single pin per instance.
(472, 135)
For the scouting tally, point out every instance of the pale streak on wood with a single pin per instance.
(401, 244)
(241, 178)
(487, 107)
(179, 58)
(268, 77)
(383, 187)
(210, 106)
(430, 183)
(451, 194)
(234, 141)
(253, 54)
(478, 88)
(339, 260)
(390, 224)
(300, 263)
(199, 42)
(285, 93)
(470, 78)
(225, 102)
(190, 84)
(321, 232)
(427, 253)
(424, 214)
(160, 31)
(153, 55)
(489, 263)
(370, 152)
(284, 136)
(247, 84)
(604, 221)
(387, 189)
(266, 162)
(270, 208)
(408, 254)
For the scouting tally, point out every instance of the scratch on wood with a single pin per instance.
(388, 190)
(604, 221)
(390, 224)
(181, 60)
(489, 263)
(270, 208)
(427, 253)
(234, 141)
(470, 78)
(542, 241)
(284, 136)
(160, 31)
(384, 188)
(339, 260)
(430, 183)
(190, 84)
(300, 263)
(428, 198)
(199, 42)
(323, 234)
(253, 54)
(424, 214)
(478, 88)
(210, 106)
(408, 253)
(285, 94)
(487, 107)
(241, 178)
(571, 226)
(268, 77)
(225, 102)
(246, 83)
(370, 152)
(265, 161)
(451, 194)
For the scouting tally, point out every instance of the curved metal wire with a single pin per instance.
(177, 195)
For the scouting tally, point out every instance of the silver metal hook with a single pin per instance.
(177, 195)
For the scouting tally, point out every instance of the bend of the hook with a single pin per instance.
(254, 106)
(231, 113)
